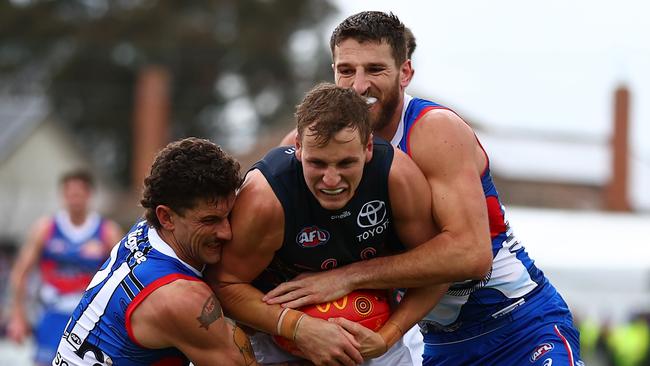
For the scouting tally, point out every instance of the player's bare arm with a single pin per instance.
(257, 221)
(463, 248)
(187, 315)
(447, 152)
(18, 327)
(410, 199)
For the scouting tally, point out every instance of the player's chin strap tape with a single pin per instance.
(288, 323)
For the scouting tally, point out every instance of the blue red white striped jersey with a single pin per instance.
(99, 332)
(70, 257)
(468, 306)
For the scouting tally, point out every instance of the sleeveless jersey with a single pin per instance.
(471, 307)
(70, 257)
(99, 332)
(316, 239)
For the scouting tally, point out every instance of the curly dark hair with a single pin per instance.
(327, 109)
(185, 172)
(374, 26)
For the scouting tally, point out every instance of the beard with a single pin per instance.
(388, 106)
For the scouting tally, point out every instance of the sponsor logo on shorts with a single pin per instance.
(312, 236)
(540, 351)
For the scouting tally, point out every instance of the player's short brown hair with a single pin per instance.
(374, 26)
(327, 109)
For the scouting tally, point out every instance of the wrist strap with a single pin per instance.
(288, 322)
(391, 332)
(295, 330)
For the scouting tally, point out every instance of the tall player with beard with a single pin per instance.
(503, 310)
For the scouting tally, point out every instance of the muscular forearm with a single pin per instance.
(414, 306)
(417, 302)
(438, 261)
(243, 303)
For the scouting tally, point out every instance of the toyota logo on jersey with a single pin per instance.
(371, 214)
(312, 236)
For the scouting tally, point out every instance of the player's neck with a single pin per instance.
(78, 218)
(181, 252)
(388, 131)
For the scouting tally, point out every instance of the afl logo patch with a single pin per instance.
(371, 214)
(540, 351)
(312, 236)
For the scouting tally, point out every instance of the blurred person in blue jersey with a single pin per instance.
(148, 304)
(68, 248)
(502, 310)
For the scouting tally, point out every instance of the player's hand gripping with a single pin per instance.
(310, 288)
(372, 344)
(326, 343)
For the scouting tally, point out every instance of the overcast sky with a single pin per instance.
(548, 66)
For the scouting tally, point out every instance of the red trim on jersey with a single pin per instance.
(417, 119)
(566, 345)
(495, 217)
(143, 295)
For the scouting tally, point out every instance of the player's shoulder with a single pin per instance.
(42, 226)
(439, 130)
(256, 195)
(174, 299)
(442, 120)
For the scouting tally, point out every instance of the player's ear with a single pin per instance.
(369, 146)
(165, 216)
(298, 145)
(406, 73)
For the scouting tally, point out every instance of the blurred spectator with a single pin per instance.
(68, 247)
(629, 343)
(6, 258)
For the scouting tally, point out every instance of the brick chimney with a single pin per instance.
(151, 120)
(616, 193)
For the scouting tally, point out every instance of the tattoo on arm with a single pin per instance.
(210, 312)
(244, 345)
